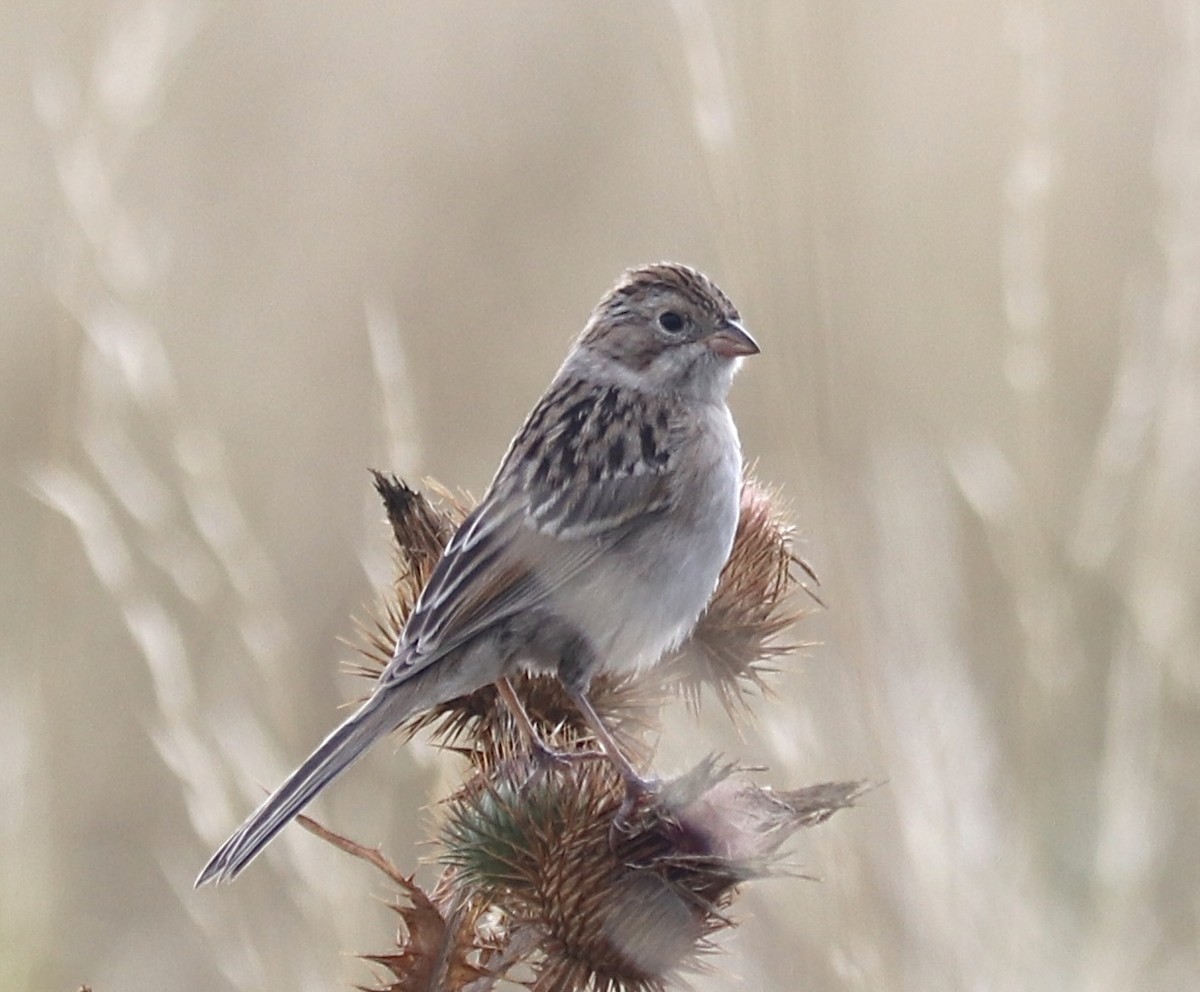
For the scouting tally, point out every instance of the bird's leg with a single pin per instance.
(517, 709)
(525, 727)
(635, 784)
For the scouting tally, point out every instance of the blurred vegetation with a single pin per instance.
(251, 250)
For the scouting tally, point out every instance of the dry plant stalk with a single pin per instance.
(548, 881)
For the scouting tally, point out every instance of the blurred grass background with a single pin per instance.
(251, 250)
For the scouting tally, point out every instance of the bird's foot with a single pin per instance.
(547, 757)
(637, 791)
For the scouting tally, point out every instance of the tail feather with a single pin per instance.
(378, 716)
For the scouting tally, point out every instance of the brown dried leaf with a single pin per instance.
(434, 954)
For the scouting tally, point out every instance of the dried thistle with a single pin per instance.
(736, 635)
(481, 725)
(537, 845)
(535, 877)
(587, 906)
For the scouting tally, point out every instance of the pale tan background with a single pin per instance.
(250, 250)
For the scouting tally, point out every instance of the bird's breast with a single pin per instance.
(646, 596)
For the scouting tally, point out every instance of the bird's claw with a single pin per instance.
(547, 757)
(636, 788)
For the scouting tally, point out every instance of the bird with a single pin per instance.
(596, 546)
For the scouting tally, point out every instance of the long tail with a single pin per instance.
(378, 716)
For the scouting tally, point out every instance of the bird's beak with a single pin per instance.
(732, 340)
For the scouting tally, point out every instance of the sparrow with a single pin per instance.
(596, 546)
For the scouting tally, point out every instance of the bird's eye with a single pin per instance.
(670, 322)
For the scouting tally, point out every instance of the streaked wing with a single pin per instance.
(601, 507)
(590, 466)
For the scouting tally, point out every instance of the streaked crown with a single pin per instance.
(639, 288)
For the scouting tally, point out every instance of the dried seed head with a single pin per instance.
(481, 725)
(618, 907)
(752, 605)
(421, 531)
(539, 844)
